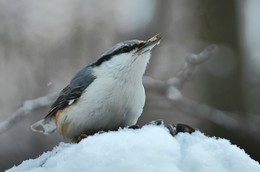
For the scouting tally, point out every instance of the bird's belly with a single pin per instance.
(103, 109)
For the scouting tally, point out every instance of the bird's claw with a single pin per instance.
(134, 127)
(82, 136)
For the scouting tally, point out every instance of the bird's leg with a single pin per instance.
(83, 136)
(155, 122)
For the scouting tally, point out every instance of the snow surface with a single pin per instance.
(151, 148)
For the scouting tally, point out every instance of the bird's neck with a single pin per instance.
(134, 72)
(129, 73)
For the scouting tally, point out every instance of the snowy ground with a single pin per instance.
(151, 148)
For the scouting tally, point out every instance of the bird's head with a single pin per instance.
(127, 58)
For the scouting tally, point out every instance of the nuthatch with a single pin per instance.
(103, 96)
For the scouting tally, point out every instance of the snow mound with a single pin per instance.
(151, 148)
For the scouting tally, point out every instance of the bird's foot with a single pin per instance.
(81, 137)
(134, 127)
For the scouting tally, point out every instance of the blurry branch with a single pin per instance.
(249, 124)
(27, 107)
(184, 73)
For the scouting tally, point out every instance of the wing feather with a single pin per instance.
(72, 92)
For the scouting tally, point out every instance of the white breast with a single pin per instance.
(105, 106)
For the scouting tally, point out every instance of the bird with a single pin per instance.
(105, 95)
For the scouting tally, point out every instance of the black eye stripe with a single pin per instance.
(127, 48)
(124, 49)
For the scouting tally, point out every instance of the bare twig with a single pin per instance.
(189, 66)
(152, 83)
(27, 107)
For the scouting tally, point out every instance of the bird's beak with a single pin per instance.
(149, 44)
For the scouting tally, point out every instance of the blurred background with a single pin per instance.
(44, 43)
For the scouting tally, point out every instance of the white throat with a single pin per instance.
(126, 66)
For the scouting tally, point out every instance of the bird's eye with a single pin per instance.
(125, 49)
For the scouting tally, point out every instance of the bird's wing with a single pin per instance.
(72, 92)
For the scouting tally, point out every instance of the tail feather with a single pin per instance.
(45, 126)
